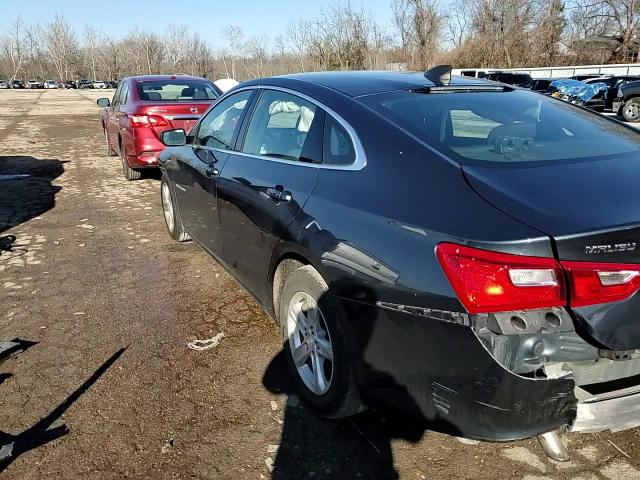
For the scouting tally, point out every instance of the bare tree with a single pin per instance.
(176, 45)
(59, 42)
(12, 48)
(233, 35)
(299, 34)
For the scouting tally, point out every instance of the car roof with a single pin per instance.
(362, 82)
(147, 78)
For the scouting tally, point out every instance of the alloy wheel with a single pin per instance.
(167, 207)
(310, 343)
(632, 111)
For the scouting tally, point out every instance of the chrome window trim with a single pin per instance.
(358, 164)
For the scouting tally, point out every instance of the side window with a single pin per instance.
(338, 148)
(280, 126)
(116, 96)
(219, 125)
(124, 95)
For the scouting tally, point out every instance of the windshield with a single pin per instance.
(176, 90)
(504, 126)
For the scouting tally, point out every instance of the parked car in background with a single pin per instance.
(35, 84)
(68, 84)
(613, 83)
(627, 101)
(586, 95)
(82, 84)
(144, 107)
(17, 84)
(111, 84)
(98, 84)
(491, 288)
(512, 78)
(587, 76)
(4, 84)
(49, 84)
(541, 85)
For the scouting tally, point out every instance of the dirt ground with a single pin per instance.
(108, 387)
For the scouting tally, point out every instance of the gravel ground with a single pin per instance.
(108, 388)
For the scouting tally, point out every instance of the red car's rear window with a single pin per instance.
(176, 90)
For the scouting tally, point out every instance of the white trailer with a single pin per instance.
(557, 72)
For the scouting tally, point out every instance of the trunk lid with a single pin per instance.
(175, 115)
(591, 209)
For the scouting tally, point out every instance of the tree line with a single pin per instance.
(465, 33)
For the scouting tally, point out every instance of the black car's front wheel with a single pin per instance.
(316, 352)
(631, 110)
(171, 217)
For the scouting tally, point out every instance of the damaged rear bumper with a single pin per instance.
(442, 374)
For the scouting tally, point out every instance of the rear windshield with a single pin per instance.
(504, 126)
(176, 90)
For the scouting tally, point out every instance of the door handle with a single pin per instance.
(212, 171)
(279, 195)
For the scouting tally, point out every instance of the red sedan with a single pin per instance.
(143, 107)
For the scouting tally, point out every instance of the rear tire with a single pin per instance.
(312, 328)
(631, 110)
(129, 173)
(171, 216)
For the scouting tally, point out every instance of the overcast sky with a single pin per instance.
(209, 17)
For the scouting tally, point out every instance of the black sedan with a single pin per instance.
(458, 249)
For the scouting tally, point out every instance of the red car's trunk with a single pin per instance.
(163, 116)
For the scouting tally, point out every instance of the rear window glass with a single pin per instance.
(176, 90)
(504, 127)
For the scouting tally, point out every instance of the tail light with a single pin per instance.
(487, 281)
(594, 283)
(147, 121)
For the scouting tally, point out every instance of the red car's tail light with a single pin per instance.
(488, 281)
(148, 121)
(594, 283)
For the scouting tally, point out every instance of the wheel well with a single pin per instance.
(285, 265)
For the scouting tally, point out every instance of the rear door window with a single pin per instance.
(283, 126)
(338, 147)
(219, 125)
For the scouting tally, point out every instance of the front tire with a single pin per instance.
(171, 216)
(631, 110)
(315, 347)
(129, 173)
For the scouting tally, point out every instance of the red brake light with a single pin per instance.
(488, 281)
(594, 283)
(148, 121)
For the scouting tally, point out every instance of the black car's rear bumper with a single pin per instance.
(440, 373)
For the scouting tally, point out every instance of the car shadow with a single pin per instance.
(43, 431)
(314, 446)
(26, 189)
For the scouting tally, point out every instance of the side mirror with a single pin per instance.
(103, 102)
(174, 138)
